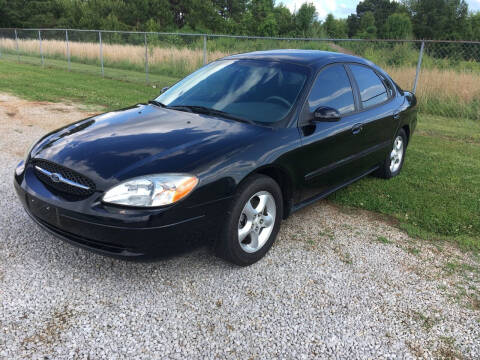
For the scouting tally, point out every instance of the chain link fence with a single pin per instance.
(444, 74)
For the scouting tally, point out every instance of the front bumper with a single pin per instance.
(117, 231)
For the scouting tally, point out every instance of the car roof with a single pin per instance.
(314, 58)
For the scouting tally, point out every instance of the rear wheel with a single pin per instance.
(394, 162)
(253, 221)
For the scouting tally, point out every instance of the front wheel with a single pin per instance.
(253, 221)
(394, 162)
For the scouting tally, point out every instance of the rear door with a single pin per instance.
(326, 158)
(377, 114)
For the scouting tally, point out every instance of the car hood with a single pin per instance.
(144, 139)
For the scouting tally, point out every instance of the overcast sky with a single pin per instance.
(343, 8)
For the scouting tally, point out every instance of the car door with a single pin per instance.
(377, 114)
(329, 148)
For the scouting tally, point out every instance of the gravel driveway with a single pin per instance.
(337, 283)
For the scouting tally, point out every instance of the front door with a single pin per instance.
(330, 148)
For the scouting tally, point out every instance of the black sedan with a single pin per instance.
(224, 154)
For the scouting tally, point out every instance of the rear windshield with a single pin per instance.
(259, 91)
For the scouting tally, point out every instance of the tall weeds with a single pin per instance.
(443, 92)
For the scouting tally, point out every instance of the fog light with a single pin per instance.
(20, 168)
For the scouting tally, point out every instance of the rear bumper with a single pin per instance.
(119, 232)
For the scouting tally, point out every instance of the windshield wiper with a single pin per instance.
(157, 103)
(211, 111)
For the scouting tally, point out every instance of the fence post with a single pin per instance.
(146, 58)
(204, 49)
(68, 49)
(16, 44)
(419, 65)
(40, 46)
(101, 51)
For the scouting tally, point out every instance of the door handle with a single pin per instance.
(357, 128)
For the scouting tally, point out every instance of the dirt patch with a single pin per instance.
(373, 216)
(338, 48)
(55, 326)
(20, 117)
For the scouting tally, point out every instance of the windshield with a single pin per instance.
(259, 91)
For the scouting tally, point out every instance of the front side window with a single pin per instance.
(259, 91)
(332, 89)
(372, 90)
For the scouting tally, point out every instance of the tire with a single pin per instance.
(396, 156)
(248, 232)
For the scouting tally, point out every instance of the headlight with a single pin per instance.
(29, 150)
(20, 168)
(151, 190)
(21, 165)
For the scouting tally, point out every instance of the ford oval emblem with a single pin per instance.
(55, 178)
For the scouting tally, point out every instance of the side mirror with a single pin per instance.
(164, 89)
(325, 113)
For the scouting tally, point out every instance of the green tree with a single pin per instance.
(44, 12)
(111, 22)
(439, 19)
(318, 31)
(335, 28)
(367, 28)
(268, 26)
(329, 25)
(257, 13)
(429, 19)
(353, 24)
(284, 18)
(304, 19)
(381, 10)
(398, 26)
(474, 26)
(231, 9)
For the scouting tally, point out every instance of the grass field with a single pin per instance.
(446, 87)
(32, 82)
(436, 197)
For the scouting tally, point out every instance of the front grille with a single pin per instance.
(67, 174)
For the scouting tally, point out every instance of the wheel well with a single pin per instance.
(406, 128)
(285, 183)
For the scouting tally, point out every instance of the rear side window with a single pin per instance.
(389, 86)
(372, 90)
(332, 88)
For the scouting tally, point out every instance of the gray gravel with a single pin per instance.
(327, 289)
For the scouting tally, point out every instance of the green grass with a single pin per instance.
(449, 107)
(383, 240)
(120, 71)
(48, 84)
(437, 195)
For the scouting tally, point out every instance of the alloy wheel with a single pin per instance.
(397, 154)
(256, 221)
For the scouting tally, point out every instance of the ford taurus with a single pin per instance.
(224, 154)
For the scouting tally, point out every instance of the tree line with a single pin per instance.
(382, 19)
